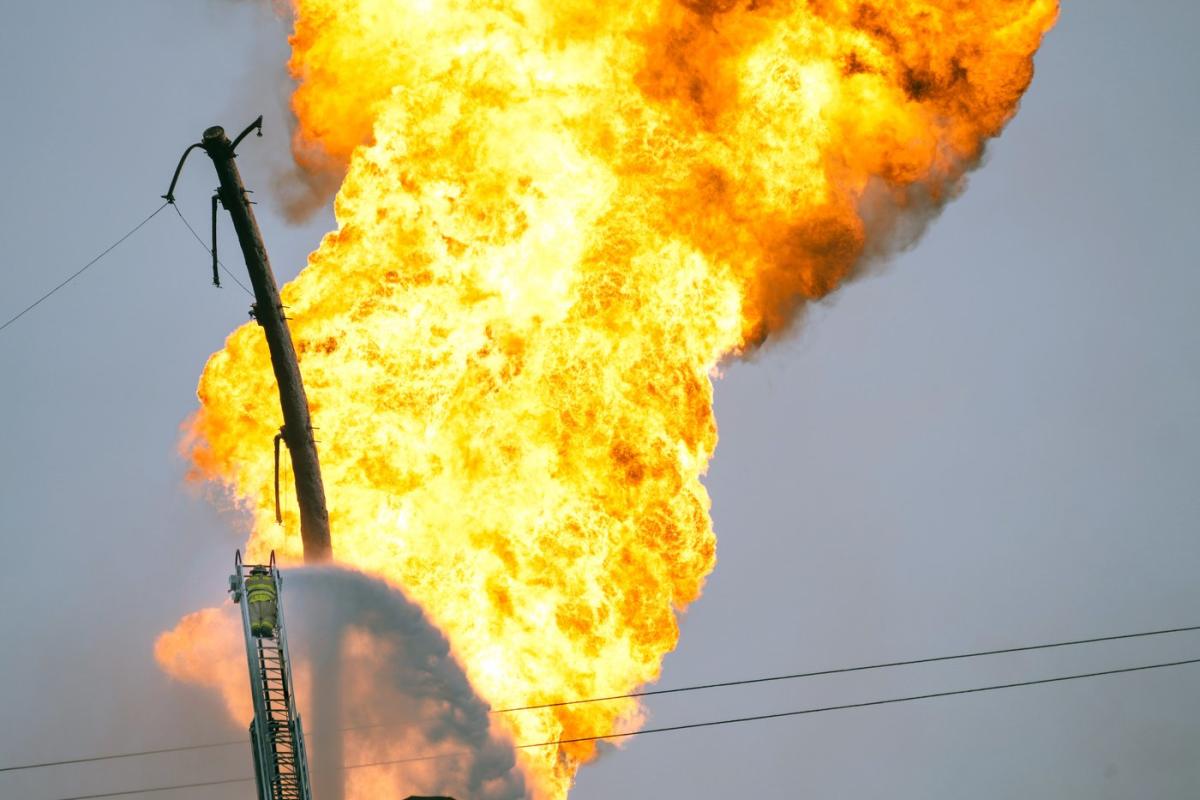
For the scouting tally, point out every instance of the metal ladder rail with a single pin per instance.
(276, 733)
(285, 777)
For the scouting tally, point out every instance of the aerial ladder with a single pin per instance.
(276, 736)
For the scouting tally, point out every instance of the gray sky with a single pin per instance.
(994, 442)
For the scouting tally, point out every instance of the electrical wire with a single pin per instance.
(200, 241)
(706, 723)
(649, 692)
(843, 670)
(82, 269)
(151, 789)
(866, 704)
(115, 756)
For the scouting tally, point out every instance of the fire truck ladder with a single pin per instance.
(276, 736)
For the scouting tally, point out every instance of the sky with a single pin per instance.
(992, 441)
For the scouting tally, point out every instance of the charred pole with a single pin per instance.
(268, 311)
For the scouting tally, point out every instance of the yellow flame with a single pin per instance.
(557, 218)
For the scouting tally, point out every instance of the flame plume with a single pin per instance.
(557, 218)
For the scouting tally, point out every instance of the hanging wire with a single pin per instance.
(82, 269)
(200, 241)
(698, 687)
(692, 725)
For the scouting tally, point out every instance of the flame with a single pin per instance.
(206, 648)
(557, 218)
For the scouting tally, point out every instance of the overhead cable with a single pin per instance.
(800, 712)
(843, 670)
(114, 756)
(200, 241)
(650, 692)
(704, 724)
(149, 790)
(82, 269)
(866, 704)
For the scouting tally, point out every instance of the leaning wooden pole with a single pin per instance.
(297, 429)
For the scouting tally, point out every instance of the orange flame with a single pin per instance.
(206, 648)
(557, 218)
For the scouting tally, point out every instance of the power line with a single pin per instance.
(148, 790)
(649, 692)
(866, 704)
(172, 787)
(707, 723)
(817, 710)
(200, 241)
(82, 269)
(114, 756)
(843, 670)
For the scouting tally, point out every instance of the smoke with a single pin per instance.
(558, 219)
(400, 693)
(841, 133)
(806, 253)
(305, 184)
(380, 691)
(305, 179)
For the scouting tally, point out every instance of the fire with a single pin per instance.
(206, 648)
(557, 218)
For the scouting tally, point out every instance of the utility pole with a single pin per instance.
(267, 310)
